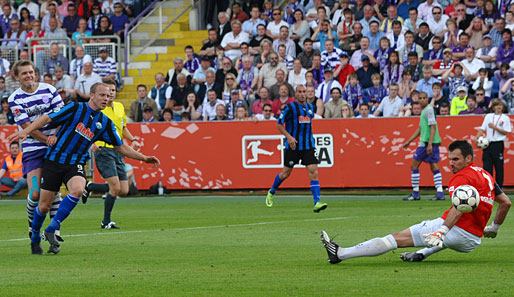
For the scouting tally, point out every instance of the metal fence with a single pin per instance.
(113, 48)
(9, 52)
(40, 53)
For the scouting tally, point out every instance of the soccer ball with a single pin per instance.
(465, 198)
(482, 142)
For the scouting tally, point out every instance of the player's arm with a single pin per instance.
(437, 238)
(290, 139)
(501, 213)
(414, 136)
(126, 133)
(36, 125)
(127, 151)
(37, 134)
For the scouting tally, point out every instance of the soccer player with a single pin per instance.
(458, 231)
(497, 126)
(295, 124)
(28, 103)
(110, 163)
(427, 151)
(82, 124)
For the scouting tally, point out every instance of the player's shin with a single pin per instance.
(373, 247)
(438, 182)
(31, 206)
(276, 184)
(316, 191)
(414, 175)
(67, 205)
(108, 206)
(37, 222)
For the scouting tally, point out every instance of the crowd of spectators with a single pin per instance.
(55, 21)
(358, 58)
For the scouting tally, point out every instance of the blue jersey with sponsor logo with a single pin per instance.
(297, 119)
(81, 126)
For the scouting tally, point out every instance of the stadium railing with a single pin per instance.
(40, 53)
(131, 28)
(10, 53)
(113, 48)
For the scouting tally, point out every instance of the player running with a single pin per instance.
(427, 151)
(299, 145)
(458, 231)
(28, 103)
(81, 125)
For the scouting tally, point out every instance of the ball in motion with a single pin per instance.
(482, 142)
(465, 198)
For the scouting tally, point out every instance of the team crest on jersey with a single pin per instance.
(99, 125)
(45, 99)
(84, 132)
(304, 119)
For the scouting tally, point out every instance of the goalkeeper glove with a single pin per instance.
(436, 238)
(492, 230)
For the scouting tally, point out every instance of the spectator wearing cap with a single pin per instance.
(56, 59)
(119, 21)
(425, 83)
(148, 115)
(84, 82)
(233, 103)
(436, 53)
(356, 60)
(296, 77)
(307, 54)
(330, 56)
(333, 107)
(233, 40)
(366, 71)
(323, 90)
(424, 37)
(274, 90)
(437, 21)
(488, 53)
(284, 39)
(104, 65)
(458, 103)
(344, 69)
(374, 35)
(200, 73)
(442, 65)
(506, 49)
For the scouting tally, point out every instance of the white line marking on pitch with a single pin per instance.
(188, 228)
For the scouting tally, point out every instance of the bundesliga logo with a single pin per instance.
(84, 132)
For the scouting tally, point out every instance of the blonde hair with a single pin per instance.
(226, 89)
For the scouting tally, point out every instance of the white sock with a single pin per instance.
(373, 247)
(430, 251)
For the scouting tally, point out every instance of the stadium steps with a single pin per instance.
(158, 57)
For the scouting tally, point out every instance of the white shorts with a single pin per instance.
(456, 239)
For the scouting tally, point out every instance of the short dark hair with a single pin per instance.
(141, 86)
(189, 47)
(110, 82)
(167, 110)
(15, 143)
(507, 31)
(413, 54)
(444, 104)
(464, 146)
(307, 40)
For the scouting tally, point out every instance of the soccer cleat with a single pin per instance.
(331, 248)
(412, 257)
(319, 206)
(411, 197)
(110, 225)
(58, 236)
(86, 193)
(51, 238)
(435, 198)
(269, 199)
(36, 248)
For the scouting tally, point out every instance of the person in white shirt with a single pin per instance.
(425, 9)
(496, 127)
(364, 111)
(232, 41)
(273, 28)
(209, 107)
(32, 7)
(437, 21)
(390, 105)
(483, 82)
(395, 36)
(266, 114)
(297, 75)
(323, 90)
(471, 63)
(488, 53)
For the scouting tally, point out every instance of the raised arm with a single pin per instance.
(36, 125)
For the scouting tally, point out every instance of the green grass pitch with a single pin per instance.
(235, 246)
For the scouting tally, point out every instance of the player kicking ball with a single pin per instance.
(81, 125)
(295, 123)
(458, 231)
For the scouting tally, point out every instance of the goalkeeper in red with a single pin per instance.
(455, 230)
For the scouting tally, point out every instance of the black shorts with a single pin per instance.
(293, 157)
(54, 174)
(110, 163)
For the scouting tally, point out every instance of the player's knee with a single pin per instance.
(114, 189)
(35, 195)
(44, 208)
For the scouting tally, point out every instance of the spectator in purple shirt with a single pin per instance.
(71, 22)
(5, 19)
(506, 50)
(119, 21)
(471, 102)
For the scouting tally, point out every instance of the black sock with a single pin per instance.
(108, 205)
(98, 188)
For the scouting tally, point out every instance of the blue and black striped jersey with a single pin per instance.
(81, 126)
(297, 119)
